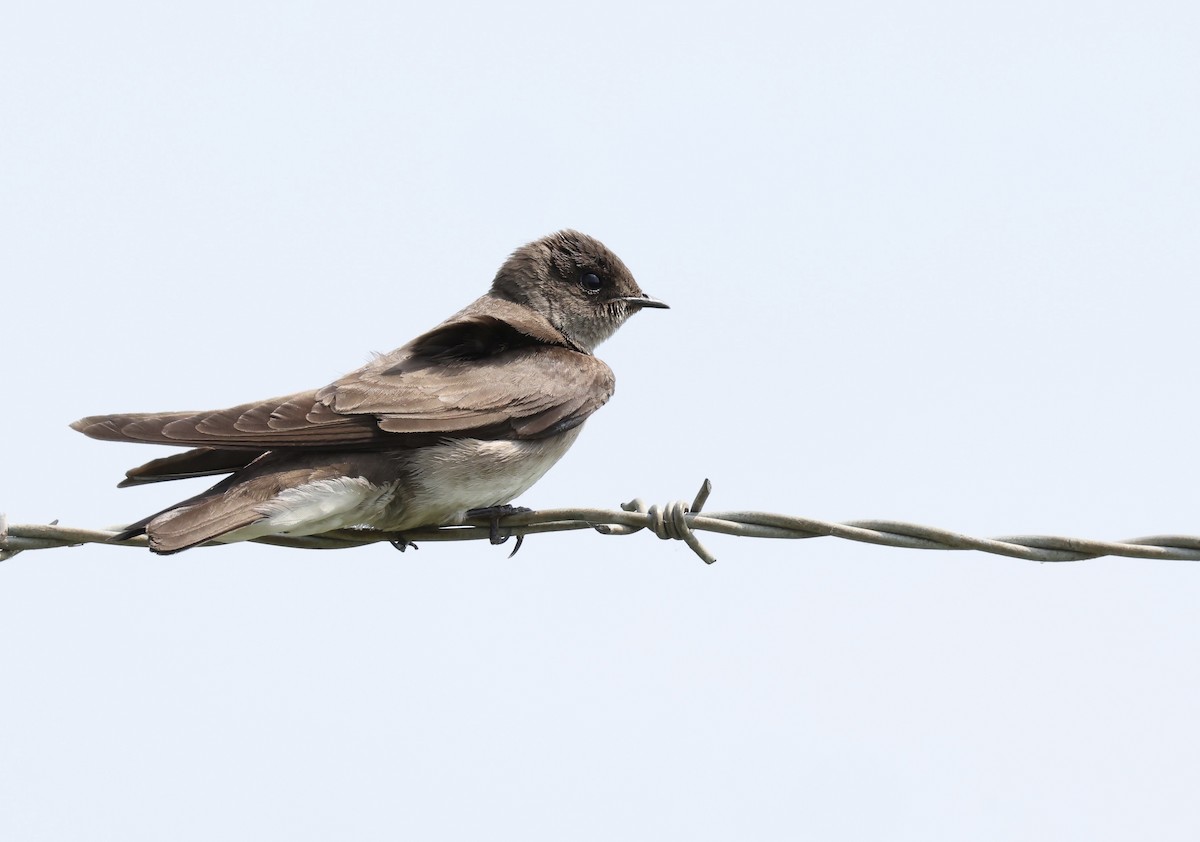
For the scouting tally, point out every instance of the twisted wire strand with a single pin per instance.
(675, 521)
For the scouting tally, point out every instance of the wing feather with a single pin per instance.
(476, 376)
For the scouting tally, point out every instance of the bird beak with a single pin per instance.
(644, 300)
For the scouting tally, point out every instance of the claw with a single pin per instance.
(517, 546)
(493, 514)
(403, 544)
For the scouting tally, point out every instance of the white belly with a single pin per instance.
(461, 474)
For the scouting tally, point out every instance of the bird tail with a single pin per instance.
(194, 521)
(186, 526)
(199, 462)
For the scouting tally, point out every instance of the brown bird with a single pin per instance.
(465, 417)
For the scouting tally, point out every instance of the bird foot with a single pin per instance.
(403, 544)
(493, 514)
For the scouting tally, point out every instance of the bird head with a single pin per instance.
(576, 283)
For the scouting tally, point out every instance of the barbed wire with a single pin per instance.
(675, 521)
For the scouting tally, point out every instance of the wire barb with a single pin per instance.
(667, 522)
(675, 521)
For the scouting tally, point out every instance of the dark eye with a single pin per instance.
(591, 282)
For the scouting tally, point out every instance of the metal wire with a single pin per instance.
(675, 521)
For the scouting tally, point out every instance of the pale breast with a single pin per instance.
(449, 478)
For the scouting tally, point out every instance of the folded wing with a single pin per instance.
(475, 377)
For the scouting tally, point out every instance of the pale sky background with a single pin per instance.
(931, 261)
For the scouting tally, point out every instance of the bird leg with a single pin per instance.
(493, 514)
(403, 544)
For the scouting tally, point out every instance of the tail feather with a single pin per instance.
(181, 528)
(200, 462)
(196, 520)
(134, 529)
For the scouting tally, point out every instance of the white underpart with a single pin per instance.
(317, 507)
(462, 474)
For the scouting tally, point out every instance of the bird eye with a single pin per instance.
(591, 282)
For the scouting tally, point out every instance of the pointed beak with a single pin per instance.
(644, 300)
